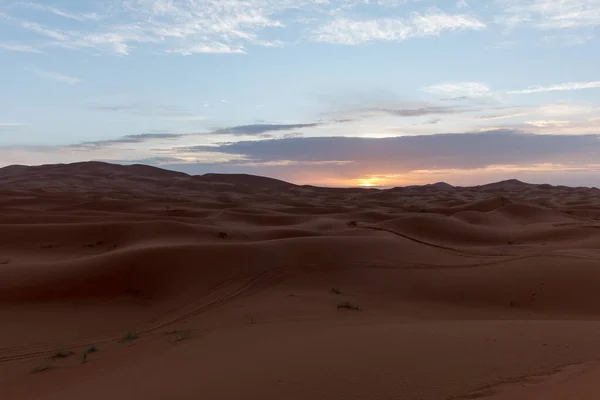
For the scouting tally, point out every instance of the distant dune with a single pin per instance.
(170, 286)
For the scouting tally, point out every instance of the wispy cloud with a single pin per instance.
(469, 90)
(65, 14)
(562, 87)
(20, 47)
(459, 89)
(54, 76)
(501, 116)
(177, 27)
(207, 49)
(44, 31)
(258, 129)
(423, 111)
(551, 14)
(231, 27)
(568, 40)
(11, 125)
(352, 32)
(211, 27)
(150, 110)
(547, 123)
(141, 138)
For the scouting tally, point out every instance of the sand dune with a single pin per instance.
(231, 284)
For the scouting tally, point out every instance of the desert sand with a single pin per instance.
(242, 287)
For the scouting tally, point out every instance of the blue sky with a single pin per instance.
(313, 91)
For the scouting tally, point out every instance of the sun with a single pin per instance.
(371, 181)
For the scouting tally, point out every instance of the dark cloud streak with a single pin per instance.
(419, 112)
(141, 138)
(463, 150)
(259, 129)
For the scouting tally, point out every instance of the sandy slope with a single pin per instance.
(232, 283)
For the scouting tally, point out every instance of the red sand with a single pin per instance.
(227, 283)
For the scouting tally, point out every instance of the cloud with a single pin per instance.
(157, 161)
(566, 109)
(353, 32)
(54, 76)
(258, 129)
(422, 111)
(231, 27)
(150, 110)
(459, 90)
(562, 87)
(207, 27)
(74, 16)
(501, 116)
(44, 31)
(547, 123)
(459, 98)
(207, 49)
(286, 163)
(11, 125)
(148, 136)
(568, 40)
(469, 90)
(462, 4)
(117, 40)
(465, 150)
(178, 27)
(20, 47)
(551, 14)
(140, 138)
(292, 135)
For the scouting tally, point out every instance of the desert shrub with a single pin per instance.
(348, 305)
(39, 369)
(91, 349)
(62, 354)
(128, 337)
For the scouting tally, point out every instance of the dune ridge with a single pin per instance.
(461, 291)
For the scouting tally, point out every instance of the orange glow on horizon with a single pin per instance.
(371, 181)
(456, 176)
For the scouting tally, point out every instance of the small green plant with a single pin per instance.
(39, 369)
(183, 335)
(91, 349)
(128, 337)
(62, 354)
(348, 305)
(335, 291)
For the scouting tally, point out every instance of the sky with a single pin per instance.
(325, 92)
